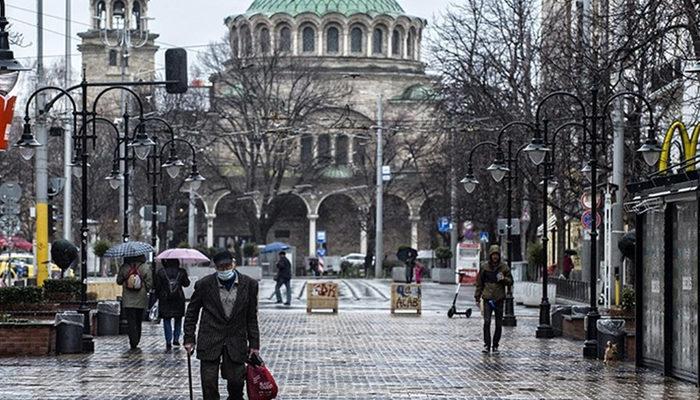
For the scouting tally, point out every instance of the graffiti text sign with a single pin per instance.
(406, 297)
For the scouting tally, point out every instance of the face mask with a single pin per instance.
(225, 275)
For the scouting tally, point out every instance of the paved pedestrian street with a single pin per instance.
(360, 353)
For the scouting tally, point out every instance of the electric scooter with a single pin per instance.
(453, 310)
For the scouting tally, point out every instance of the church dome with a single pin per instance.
(323, 7)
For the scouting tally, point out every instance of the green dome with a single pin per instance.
(323, 7)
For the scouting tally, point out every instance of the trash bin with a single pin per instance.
(580, 311)
(69, 332)
(108, 318)
(558, 313)
(613, 331)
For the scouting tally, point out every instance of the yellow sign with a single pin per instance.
(690, 144)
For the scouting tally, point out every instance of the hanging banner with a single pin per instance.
(7, 112)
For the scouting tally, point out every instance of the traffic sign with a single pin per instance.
(161, 213)
(10, 192)
(443, 224)
(503, 226)
(586, 201)
(587, 219)
(484, 237)
(321, 252)
(321, 236)
(386, 173)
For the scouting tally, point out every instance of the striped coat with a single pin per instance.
(238, 333)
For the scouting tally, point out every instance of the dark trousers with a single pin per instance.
(233, 373)
(134, 316)
(409, 273)
(488, 310)
(278, 292)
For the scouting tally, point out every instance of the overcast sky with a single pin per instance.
(180, 23)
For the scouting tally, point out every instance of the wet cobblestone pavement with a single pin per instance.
(358, 354)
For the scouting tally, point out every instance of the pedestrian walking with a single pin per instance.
(136, 280)
(491, 282)
(171, 299)
(418, 272)
(228, 326)
(568, 265)
(284, 277)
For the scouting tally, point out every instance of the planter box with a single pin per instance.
(530, 293)
(444, 275)
(36, 338)
(322, 296)
(406, 297)
(574, 328)
(252, 272)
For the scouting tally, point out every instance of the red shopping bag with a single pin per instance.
(260, 383)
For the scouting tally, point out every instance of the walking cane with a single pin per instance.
(189, 373)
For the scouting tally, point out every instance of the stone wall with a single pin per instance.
(27, 339)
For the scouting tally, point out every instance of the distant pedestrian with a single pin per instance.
(410, 265)
(567, 266)
(314, 267)
(284, 277)
(491, 282)
(171, 299)
(418, 272)
(136, 280)
(228, 327)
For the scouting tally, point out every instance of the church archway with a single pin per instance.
(338, 216)
(397, 226)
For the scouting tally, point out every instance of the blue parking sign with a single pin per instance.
(484, 237)
(443, 224)
(321, 252)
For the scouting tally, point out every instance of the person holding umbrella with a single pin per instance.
(136, 280)
(171, 299)
(284, 277)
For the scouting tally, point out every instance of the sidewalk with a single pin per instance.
(358, 354)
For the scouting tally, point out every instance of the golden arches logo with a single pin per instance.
(690, 144)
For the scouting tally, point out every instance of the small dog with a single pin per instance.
(610, 353)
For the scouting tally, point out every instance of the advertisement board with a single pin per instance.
(467, 262)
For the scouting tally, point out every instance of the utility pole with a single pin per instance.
(379, 223)
(192, 211)
(67, 142)
(40, 162)
(454, 229)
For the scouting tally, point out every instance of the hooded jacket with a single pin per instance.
(488, 286)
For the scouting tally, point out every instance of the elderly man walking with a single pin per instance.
(228, 326)
(491, 282)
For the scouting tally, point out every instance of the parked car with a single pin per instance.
(354, 258)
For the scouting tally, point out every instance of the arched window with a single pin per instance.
(341, 150)
(136, 16)
(264, 40)
(332, 40)
(359, 156)
(396, 43)
(308, 40)
(118, 14)
(234, 42)
(307, 150)
(112, 58)
(324, 149)
(246, 41)
(409, 43)
(285, 39)
(356, 39)
(101, 15)
(378, 41)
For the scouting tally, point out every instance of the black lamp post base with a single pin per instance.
(509, 320)
(590, 349)
(544, 332)
(88, 344)
(509, 315)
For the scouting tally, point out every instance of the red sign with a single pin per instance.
(7, 111)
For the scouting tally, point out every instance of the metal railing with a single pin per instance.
(572, 290)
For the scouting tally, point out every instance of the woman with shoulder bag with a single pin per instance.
(171, 299)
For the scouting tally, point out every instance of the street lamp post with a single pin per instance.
(539, 151)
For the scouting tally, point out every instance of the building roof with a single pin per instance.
(323, 7)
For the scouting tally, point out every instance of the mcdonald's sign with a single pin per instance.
(690, 144)
(7, 111)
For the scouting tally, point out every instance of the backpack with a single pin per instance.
(173, 284)
(133, 279)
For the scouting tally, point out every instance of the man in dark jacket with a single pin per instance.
(491, 282)
(228, 327)
(284, 277)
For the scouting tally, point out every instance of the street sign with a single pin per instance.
(9, 225)
(9, 209)
(321, 236)
(321, 252)
(161, 213)
(587, 219)
(443, 224)
(386, 173)
(503, 228)
(586, 201)
(484, 237)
